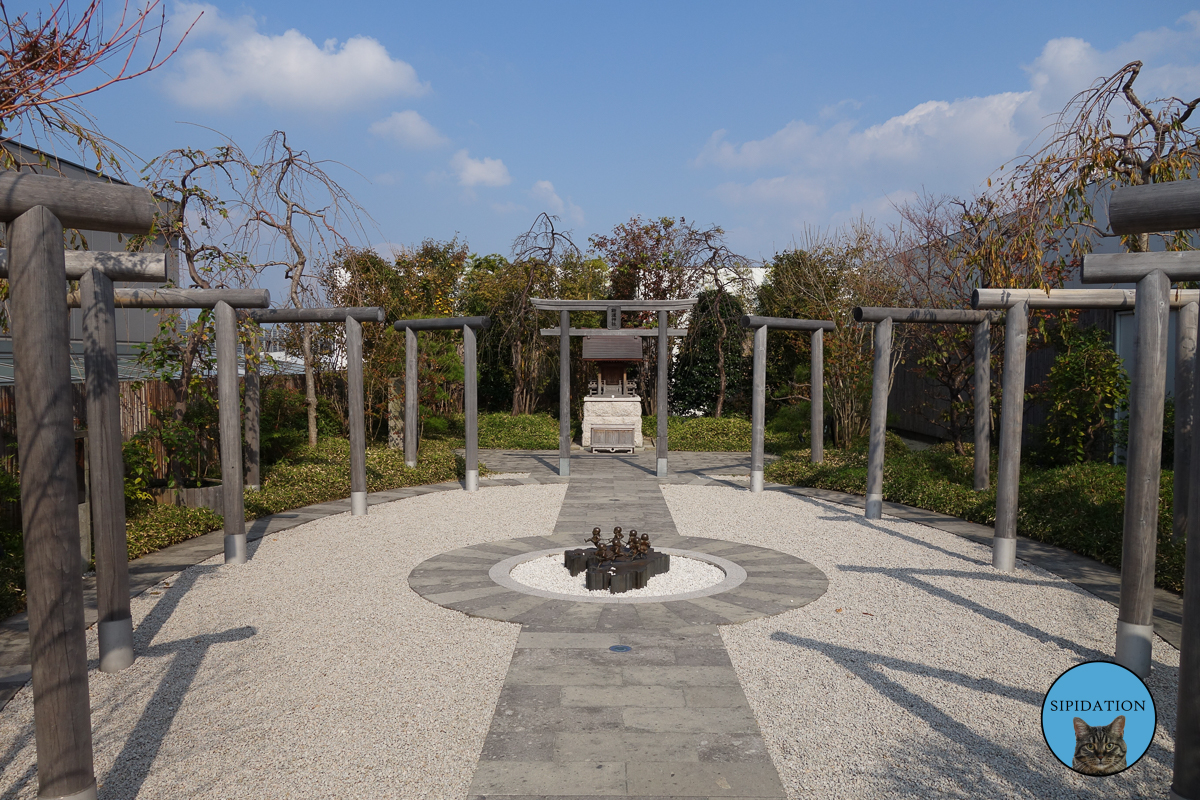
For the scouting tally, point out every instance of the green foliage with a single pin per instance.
(319, 474)
(520, 432)
(152, 526)
(12, 572)
(1079, 507)
(139, 469)
(713, 434)
(824, 278)
(711, 372)
(1086, 385)
(789, 428)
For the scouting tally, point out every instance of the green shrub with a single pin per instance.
(790, 427)
(151, 526)
(1083, 390)
(1079, 507)
(12, 572)
(522, 432)
(319, 474)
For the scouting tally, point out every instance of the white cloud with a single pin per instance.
(828, 169)
(409, 129)
(286, 70)
(473, 172)
(543, 192)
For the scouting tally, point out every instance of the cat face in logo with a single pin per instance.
(1099, 750)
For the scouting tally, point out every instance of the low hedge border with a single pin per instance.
(1079, 507)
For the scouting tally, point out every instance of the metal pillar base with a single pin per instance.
(410, 464)
(874, 506)
(1134, 645)
(1004, 554)
(87, 794)
(472, 480)
(116, 644)
(662, 468)
(756, 481)
(235, 548)
(564, 467)
(358, 504)
(254, 487)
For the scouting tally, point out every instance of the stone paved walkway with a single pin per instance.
(666, 719)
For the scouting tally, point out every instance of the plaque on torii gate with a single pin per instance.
(612, 310)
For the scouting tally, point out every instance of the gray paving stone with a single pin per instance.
(603, 779)
(705, 779)
(679, 677)
(591, 641)
(702, 657)
(518, 746)
(641, 696)
(714, 696)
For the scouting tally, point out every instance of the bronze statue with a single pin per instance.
(615, 565)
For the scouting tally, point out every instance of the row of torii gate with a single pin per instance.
(38, 207)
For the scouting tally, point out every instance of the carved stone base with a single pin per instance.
(612, 412)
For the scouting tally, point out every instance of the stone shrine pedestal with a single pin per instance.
(618, 421)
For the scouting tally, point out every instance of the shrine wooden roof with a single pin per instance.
(612, 348)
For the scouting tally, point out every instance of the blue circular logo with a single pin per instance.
(1098, 718)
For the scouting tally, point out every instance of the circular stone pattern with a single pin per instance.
(759, 582)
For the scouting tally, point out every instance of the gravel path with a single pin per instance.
(921, 671)
(314, 672)
(311, 672)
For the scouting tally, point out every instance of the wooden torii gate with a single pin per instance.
(758, 405)
(1017, 303)
(883, 319)
(468, 326)
(613, 310)
(98, 299)
(1147, 209)
(37, 208)
(353, 319)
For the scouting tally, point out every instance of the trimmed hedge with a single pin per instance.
(1079, 507)
(322, 473)
(522, 432)
(715, 434)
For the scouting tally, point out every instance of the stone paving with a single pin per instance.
(668, 718)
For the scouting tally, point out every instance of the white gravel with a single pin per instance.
(313, 671)
(549, 574)
(921, 672)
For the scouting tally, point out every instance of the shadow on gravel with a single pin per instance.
(132, 766)
(896, 534)
(20, 743)
(153, 622)
(910, 575)
(910, 775)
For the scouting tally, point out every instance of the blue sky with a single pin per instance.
(764, 118)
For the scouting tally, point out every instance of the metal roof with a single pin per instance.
(612, 348)
(129, 370)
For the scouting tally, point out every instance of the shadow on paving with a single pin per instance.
(905, 779)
